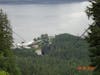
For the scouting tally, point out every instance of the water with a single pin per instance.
(32, 20)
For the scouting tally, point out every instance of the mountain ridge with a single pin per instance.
(61, 57)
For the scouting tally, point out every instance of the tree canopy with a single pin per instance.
(7, 60)
(93, 37)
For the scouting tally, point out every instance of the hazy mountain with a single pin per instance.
(63, 57)
(64, 45)
(38, 1)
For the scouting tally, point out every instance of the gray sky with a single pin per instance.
(30, 21)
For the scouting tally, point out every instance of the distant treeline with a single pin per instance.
(62, 57)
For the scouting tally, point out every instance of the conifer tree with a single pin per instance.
(7, 61)
(93, 38)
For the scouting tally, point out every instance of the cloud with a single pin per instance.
(74, 19)
(33, 20)
(38, 1)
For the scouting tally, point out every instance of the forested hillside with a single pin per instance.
(62, 57)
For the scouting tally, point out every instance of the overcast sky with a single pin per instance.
(30, 21)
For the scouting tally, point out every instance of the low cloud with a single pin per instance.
(33, 20)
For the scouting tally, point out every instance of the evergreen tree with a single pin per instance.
(7, 60)
(93, 38)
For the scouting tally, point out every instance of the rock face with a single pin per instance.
(38, 52)
(35, 46)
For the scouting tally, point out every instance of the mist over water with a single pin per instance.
(32, 20)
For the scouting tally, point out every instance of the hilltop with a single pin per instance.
(61, 56)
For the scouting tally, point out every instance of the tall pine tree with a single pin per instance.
(93, 38)
(7, 60)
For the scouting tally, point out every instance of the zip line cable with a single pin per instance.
(75, 43)
(18, 36)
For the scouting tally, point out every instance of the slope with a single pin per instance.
(61, 58)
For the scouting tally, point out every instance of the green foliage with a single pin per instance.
(44, 42)
(94, 35)
(64, 46)
(4, 73)
(61, 59)
(7, 60)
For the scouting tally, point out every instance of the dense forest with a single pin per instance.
(7, 59)
(62, 57)
(62, 54)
